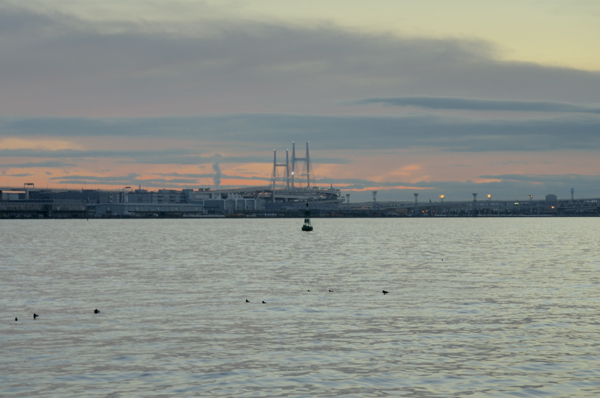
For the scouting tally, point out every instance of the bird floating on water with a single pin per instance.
(264, 302)
(16, 319)
(96, 311)
(247, 300)
(35, 315)
(385, 292)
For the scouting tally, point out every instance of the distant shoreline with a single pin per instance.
(282, 216)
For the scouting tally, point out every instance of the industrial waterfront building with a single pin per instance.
(262, 201)
(286, 195)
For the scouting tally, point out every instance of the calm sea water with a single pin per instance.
(494, 307)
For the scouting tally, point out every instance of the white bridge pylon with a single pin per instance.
(286, 165)
(291, 176)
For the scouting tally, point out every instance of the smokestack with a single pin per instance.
(217, 177)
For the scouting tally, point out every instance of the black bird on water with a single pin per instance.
(331, 290)
(35, 315)
(385, 292)
(247, 300)
(96, 311)
(264, 302)
(16, 319)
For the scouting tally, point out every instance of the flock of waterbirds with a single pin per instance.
(330, 291)
(35, 316)
(97, 311)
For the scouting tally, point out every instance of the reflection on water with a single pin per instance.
(489, 307)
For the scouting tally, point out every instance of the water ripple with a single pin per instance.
(490, 307)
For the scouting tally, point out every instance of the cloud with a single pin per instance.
(56, 64)
(259, 132)
(541, 178)
(178, 181)
(74, 154)
(15, 20)
(176, 156)
(130, 179)
(48, 164)
(242, 87)
(265, 179)
(446, 103)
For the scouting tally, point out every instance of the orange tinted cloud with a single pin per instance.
(48, 144)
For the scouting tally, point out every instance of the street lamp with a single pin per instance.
(531, 203)
(442, 200)
(489, 195)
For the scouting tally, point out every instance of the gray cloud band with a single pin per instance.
(145, 69)
(445, 103)
(259, 132)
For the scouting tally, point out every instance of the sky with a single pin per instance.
(431, 97)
